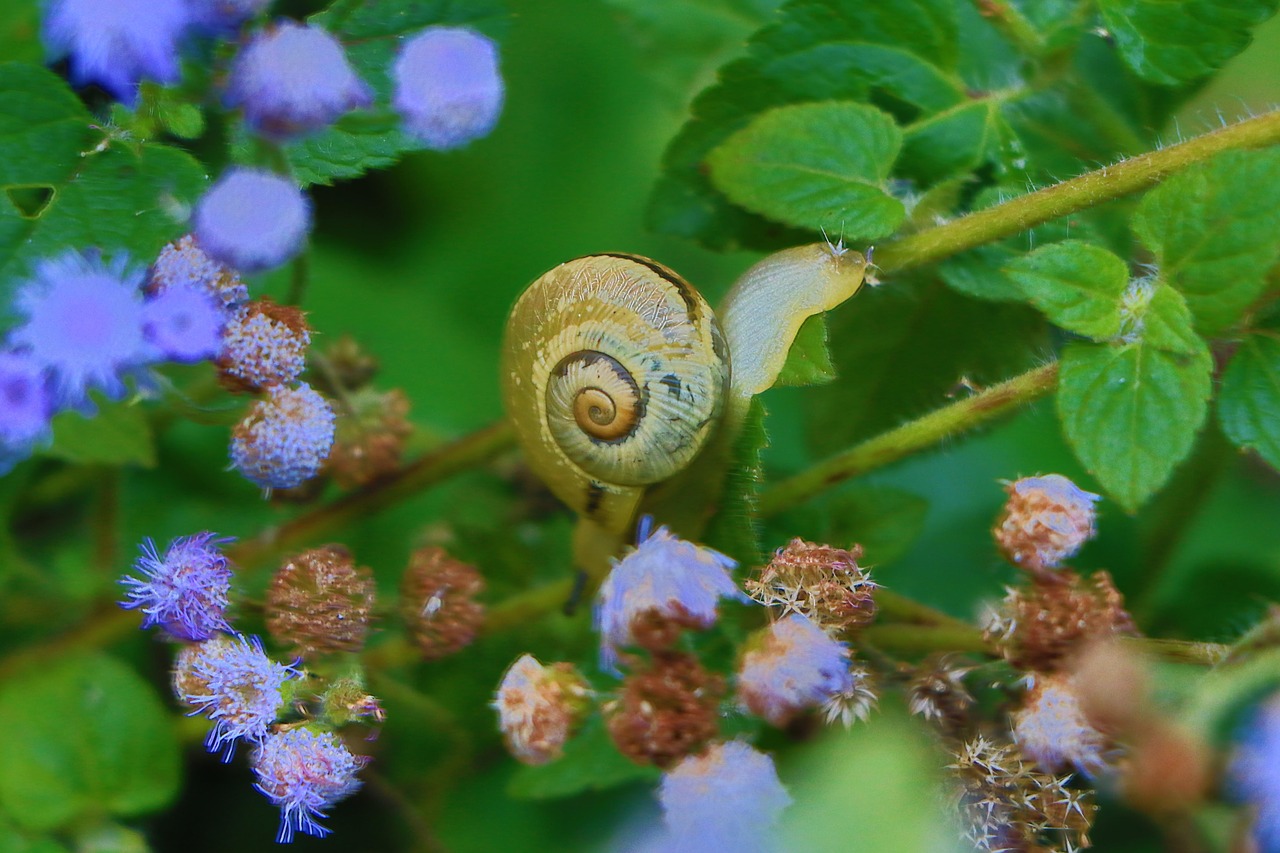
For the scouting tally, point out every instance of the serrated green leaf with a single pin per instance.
(1164, 322)
(80, 736)
(1249, 400)
(1212, 229)
(808, 361)
(372, 33)
(117, 435)
(1131, 412)
(590, 763)
(817, 166)
(1077, 285)
(1177, 41)
(951, 142)
(902, 349)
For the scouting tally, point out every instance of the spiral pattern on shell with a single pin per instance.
(614, 374)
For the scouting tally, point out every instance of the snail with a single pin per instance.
(623, 387)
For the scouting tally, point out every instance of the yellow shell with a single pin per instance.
(614, 373)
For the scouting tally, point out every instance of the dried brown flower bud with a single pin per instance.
(938, 694)
(1045, 521)
(539, 707)
(1040, 627)
(437, 602)
(370, 439)
(264, 344)
(823, 583)
(666, 711)
(320, 602)
(1169, 769)
(353, 367)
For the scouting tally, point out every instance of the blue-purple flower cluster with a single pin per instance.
(86, 325)
(231, 680)
(288, 78)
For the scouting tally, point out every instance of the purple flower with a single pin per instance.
(666, 577)
(1255, 772)
(184, 323)
(252, 220)
(25, 407)
(185, 593)
(232, 682)
(265, 344)
(1045, 521)
(447, 86)
(726, 799)
(794, 666)
(83, 323)
(285, 439)
(291, 79)
(304, 772)
(222, 16)
(117, 43)
(183, 263)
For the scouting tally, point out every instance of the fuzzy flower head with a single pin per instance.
(293, 78)
(117, 43)
(252, 220)
(823, 583)
(727, 798)
(539, 707)
(1045, 521)
(265, 344)
(1255, 772)
(183, 323)
(185, 592)
(304, 772)
(231, 681)
(665, 710)
(664, 580)
(447, 86)
(320, 602)
(25, 407)
(183, 263)
(1052, 729)
(83, 322)
(438, 602)
(285, 438)
(790, 666)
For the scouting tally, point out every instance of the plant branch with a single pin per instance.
(1087, 190)
(910, 437)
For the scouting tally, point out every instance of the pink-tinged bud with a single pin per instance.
(539, 707)
(666, 711)
(789, 667)
(823, 583)
(1052, 730)
(438, 602)
(1045, 521)
(319, 602)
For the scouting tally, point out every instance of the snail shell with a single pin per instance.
(615, 374)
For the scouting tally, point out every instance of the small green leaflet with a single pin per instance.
(1213, 231)
(808, 360)
(816, 166)
(1078, 286)
(1249, 400)
(117, 435)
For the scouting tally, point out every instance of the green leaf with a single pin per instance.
(952, 142)
(816, 166)
(1177, 41)
(372, 33)
(1212, 229)
(1131, 412)
(1078, 286)
(117, 435)
(734, 530)
(590, 763)
(808, 361)
(80, 736)
(1249, 400)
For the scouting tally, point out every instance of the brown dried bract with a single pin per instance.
(937, 693)
(320, 602)
(657, 631)
(369, 441)
(1043, 624)
(825, 584)
(437, 602)
(666, 711)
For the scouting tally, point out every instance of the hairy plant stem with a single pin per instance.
(910, 437)
(1087, 190)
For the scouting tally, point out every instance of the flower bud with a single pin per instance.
(284, 439)
(319, 602)
(437, 602)
(938, 694)
(1052, 730)
(789, 667)
(539, 707)
(183, 263)
(666, 710)
(370, 439)
(1045, 521)
(823, 583)
(264, 344)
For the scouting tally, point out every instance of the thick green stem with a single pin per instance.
(911, 437)
(1093, 188)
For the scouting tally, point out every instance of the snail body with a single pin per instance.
(623, 386)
